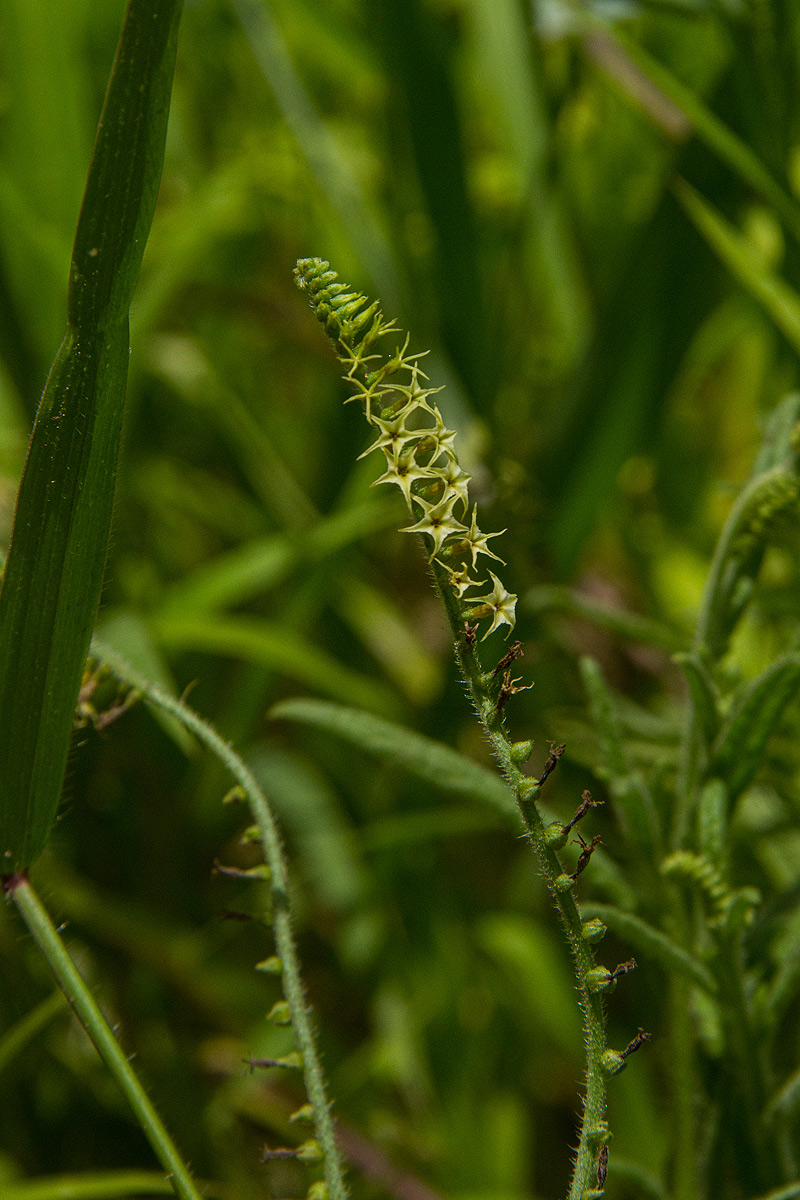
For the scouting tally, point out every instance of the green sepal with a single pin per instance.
(280, 1013)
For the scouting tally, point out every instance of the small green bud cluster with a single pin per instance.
(421, 459)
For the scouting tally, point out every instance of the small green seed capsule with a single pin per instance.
(251, 834)
(310, 1152)
(594, 930)
(521, 752)
(270, 966)
(598, 979)
(261, 872)
(564, 883)
(306, 1113)
(318, 1191)
(613, 1062)
(279, 1013)
(291, 1061)
(598, 1134)
(555, 836)
(528, 790)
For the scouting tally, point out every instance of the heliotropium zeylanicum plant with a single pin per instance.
(421, 460)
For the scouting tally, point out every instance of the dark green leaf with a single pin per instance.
(55, 565)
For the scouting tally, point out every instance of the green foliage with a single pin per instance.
(589, 215)
(54, 571)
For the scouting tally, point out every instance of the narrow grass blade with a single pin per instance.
(319, 148)
(741, 745)
(15, 1039)
(272, 645)
(717, 135)
(760, 509)
(631, 796)
(55, 564)
(422, 757)
(105, 1185)
(628, 626)
(780, 301)
(44, 934)
(703, 697)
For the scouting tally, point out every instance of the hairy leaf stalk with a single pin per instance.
(422, 462)
(287, 961)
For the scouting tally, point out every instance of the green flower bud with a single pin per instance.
(270, 966)
(555, 836)
(310, 1152)
(613, 1062)
(521, 752)
(599, 979)
(279, 1014)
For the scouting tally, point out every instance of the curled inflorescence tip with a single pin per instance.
(419, 450)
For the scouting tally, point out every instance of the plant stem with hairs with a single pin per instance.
(422, 462)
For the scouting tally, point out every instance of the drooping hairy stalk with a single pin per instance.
(293, 1010)
(422, 462)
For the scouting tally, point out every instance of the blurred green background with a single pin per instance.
(588, 213)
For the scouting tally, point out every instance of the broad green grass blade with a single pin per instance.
(774, 295)
(55, 564)
(421, 756)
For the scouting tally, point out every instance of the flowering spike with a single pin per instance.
(437, 521)
(501, 606)
(420, 460)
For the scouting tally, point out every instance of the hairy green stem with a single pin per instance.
(594, 1130)
(282, 924)
(78, 994)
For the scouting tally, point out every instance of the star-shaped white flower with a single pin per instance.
(455, 479)
(437, 521)
(478, 542)
(502, 604)
(392, 437)
(461, 580)
(403, 470)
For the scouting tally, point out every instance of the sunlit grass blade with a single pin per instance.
(55, 565)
